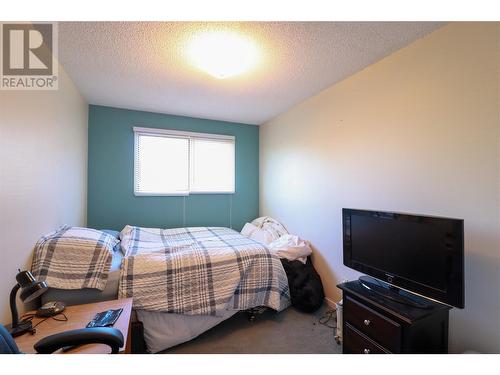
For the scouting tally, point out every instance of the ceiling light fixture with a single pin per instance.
(223, 54)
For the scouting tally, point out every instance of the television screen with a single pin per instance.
(421, 254)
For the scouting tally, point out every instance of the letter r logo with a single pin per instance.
(27, 49)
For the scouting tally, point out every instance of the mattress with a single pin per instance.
(82, 296)
(164, 330)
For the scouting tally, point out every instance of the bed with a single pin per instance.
(166, 273)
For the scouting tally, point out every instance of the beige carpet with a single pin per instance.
(288, 332)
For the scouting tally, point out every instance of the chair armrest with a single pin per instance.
(101, 335)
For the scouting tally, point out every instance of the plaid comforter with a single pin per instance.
(196, 271)
(74, 258)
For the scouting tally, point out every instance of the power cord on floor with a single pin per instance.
(330, 315)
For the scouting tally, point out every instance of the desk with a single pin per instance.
(78, 317)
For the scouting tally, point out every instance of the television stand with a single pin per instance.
(391, 321)
(394, 293)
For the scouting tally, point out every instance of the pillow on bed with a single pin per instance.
(257, 234)
(116, 235)
(274, 227)
(112, 232)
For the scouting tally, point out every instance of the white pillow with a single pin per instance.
(271, 225)
(260, 235)
(248, 229)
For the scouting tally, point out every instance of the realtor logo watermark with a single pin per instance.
(29, 56)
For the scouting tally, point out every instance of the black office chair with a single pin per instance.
(103, 335)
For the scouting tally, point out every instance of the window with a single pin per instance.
(169, 162)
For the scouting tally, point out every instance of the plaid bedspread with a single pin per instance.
(74, 258)
(196, 271)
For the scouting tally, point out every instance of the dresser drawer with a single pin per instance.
(374, 325)
(357, 343)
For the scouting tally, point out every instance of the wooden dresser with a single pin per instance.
(374, 324)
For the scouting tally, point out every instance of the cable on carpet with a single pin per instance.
(330, 315)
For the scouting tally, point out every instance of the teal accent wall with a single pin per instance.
(111, 202)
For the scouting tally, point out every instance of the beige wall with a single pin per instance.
(416, 132)
(43, 172)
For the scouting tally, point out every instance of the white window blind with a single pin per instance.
(169, 162)
(212, 165)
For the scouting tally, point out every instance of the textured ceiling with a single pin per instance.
(142, 65)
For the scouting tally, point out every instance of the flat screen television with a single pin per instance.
(421, 254)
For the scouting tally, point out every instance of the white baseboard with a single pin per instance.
(330, 302)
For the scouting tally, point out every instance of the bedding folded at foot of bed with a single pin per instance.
(74, 258)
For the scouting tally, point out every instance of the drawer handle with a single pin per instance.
(366, 351)
(367, 322)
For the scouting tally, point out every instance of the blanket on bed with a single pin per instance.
(196, 271)
(74, 258)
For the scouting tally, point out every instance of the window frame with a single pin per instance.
(158, 132)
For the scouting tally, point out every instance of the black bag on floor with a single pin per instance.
(306, 289)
